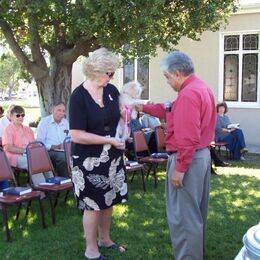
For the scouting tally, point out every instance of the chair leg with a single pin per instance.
(52, 210)
(18, 211)
(28, 208)
(155, 175)
(143, 180)
(56, 199)
(66, 196)
(5, 218)
(133, 175)
(148, 171)
(42, 213)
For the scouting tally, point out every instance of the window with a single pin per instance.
(138, 70)
(240, 68)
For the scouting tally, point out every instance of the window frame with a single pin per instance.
(240, 52)
(136, 76)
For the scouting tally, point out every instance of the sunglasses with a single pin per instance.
(110, 74)
(20, 115)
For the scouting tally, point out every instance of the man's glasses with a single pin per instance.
(20, 115)
(110, 74)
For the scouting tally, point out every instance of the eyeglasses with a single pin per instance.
(20, 115)
(110, 74)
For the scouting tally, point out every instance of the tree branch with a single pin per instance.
(35, 42)
(35, 70)
(82, 47)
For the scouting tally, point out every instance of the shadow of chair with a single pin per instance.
(143, 155)
(19, 200)
(40, 162)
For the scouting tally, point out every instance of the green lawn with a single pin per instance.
(141, 223)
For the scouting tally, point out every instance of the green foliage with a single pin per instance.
(144, 25)
(11, 73)
(35, 123)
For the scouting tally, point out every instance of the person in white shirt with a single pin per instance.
(5, 120)
(52, 130)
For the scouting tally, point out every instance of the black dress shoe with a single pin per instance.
(222, 164)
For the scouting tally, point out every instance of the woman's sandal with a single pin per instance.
(101, 257)
(115, 247)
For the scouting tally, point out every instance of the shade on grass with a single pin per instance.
(141, 223)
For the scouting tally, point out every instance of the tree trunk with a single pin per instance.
(55, 87)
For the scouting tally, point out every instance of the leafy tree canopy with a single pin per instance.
(47, 35)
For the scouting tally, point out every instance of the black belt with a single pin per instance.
(171, 152)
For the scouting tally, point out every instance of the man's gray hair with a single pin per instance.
(177, 61)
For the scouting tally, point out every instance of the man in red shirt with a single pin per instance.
(190, 127)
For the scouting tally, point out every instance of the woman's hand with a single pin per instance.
(119, 145)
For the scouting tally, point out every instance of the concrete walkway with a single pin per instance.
(253, 148)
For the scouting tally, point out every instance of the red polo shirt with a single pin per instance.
(191, 122)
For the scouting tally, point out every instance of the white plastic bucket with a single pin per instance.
(251, 241)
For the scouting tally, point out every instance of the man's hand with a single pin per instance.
(177, 178)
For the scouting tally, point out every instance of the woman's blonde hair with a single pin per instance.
(99, 62)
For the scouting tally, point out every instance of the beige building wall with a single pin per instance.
(206, 57)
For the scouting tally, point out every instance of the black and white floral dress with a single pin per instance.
(98, 171)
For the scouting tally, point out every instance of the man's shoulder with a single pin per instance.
(45, 120)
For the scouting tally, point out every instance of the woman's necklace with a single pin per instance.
(96, 94)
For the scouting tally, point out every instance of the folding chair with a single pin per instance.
(219, 145)
(133, 169)
(160, 138)
(40, 162)
(6, 173)
(141, 147)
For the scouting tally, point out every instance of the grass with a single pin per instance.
(141, 223)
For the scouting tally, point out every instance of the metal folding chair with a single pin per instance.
(6, 173)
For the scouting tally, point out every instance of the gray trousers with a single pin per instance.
(187, 207)
(59, 163)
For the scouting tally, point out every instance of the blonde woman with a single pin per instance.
(98, 170)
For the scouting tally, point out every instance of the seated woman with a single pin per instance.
(15, 138)
(233, 136)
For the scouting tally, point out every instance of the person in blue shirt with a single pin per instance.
(233, 136)
(52, 130)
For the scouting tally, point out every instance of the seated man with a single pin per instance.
(52, 130)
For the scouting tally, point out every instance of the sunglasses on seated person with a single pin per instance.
(20, 115)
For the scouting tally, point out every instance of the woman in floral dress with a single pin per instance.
(98, 171)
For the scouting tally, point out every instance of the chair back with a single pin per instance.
(160, 139)
(140, 144)
(67, 150)
(38, 158)
(6, 172)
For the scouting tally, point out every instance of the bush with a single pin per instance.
(35, 123)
